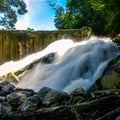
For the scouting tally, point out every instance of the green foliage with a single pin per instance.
(101, 15)
(9, 10)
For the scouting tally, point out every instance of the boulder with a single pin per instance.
(27, 92)
(5, 108)
(78, 96)
(16, 99)
(30, 104)
(51, 97)
(6, 88)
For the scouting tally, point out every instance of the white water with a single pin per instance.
(76, 64)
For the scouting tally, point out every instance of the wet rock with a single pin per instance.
(52, 113)
(78, 95)
(27, 92)
(51, 97)
(111, 75)
(6, 88)
(5, 108)
(30, 104)
(48, 58)
(94, 109)
(56, 113)
(4, 83)
(16, 99)
(2, 98)
(110, 78)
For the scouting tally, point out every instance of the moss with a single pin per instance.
(111, 81)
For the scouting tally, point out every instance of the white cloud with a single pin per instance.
(37, 16)
(23, 21)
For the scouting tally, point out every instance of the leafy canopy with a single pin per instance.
(9, 10)
(101, 15)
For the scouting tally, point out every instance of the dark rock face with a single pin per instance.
(51, 97)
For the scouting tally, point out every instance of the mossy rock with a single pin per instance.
(111, 75)
(111, 81)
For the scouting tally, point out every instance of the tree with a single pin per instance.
(9, 10)
(101, 15)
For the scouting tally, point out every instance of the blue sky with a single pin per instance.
(40, 15)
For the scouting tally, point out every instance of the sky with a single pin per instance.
(40, 15)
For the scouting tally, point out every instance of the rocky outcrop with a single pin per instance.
(16, 76)
(110, 78)
(111, 75)
(25, 104)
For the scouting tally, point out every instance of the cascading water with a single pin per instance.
(75, 64)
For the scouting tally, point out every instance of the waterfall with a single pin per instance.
(75, 65)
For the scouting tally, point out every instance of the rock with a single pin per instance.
(47, 59)
(94, 109)
(16, 99)
(78, 95)
(50, 104)
(110, 78)
(30, 104)
(116, 40)
(5, 108)
(27, 92)
(6, 88)
(2, 98)
(51, 97)
(52, 113)
(4, 83)
(111, 75)
(111, 115)
(12, 116)
(56, 113)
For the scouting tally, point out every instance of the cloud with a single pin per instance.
(39, 16)
(22, 24)
(23, 21)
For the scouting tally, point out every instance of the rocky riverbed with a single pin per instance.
(47, 103)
